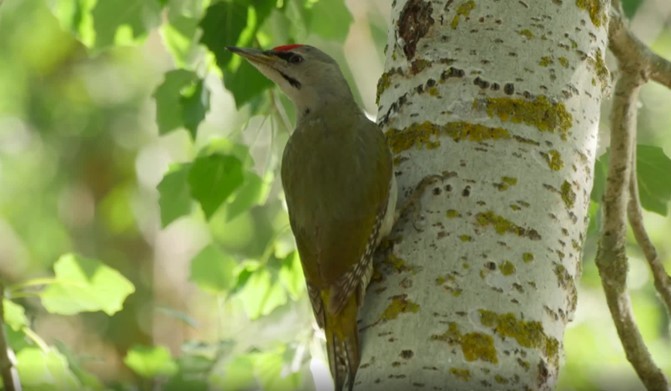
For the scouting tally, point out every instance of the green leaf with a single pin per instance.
(630, 7)
(245, 272)
(273, 370)
(150, 361)
(195, 104)
(600, 172)
(213, 179)
(193, 8)
(174, 194)
(245, 83)
(212, 270)
(297, 17)
(291, 275)
(181, 100)
(235, 24)
(187, 381)
(75, 16)
(85, 285)
(179, 37)
(330, 19)
(261, 294)
(168, 99)
(222, 26)
(254, 191)
(237, 374)
(88, 380)
(45, 370)
(124, 21)
(654, 184)
(15, 315)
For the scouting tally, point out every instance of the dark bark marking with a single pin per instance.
(413, 24)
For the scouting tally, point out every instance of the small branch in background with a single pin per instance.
(625, 45)
(636, 65)
(611, 257)
(10, 377)
(635, 215)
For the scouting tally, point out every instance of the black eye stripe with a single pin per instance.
(288, 56)
(293, 82)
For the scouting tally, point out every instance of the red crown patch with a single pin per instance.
(284, 48)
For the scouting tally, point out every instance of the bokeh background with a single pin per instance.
(81, 158)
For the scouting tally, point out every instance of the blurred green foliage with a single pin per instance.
(119, 142)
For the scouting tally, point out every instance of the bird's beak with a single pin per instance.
(255, 56)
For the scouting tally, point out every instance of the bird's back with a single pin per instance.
(334, 172)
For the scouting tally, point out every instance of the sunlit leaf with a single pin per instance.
(245, 272)
(273, 370)
(213, 179)
(330, 19)
(15, 315)
(174, 194)
(124, 21)
(179, 37)
(150, 361)
(84, 284)
(261, 294)
(237, 374)
(193, 8)
(212, 270)
(253, 191)
(75, 16)
(88, 380)
(44, 370)
(116, 209)
(291, 275)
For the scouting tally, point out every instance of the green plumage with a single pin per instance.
(337, 177)
(336, 173)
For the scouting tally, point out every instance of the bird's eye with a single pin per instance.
(295, 59)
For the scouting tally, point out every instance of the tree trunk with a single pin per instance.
(501, 100)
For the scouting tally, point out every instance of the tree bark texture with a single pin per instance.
(499, 101)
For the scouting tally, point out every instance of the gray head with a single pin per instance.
(309, 77)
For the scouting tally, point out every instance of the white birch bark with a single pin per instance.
(500, 98)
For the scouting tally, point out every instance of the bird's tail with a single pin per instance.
(342, 344)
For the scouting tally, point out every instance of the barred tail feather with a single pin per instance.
(355, 280)
(342, 345)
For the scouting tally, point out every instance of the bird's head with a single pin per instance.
(308, 76)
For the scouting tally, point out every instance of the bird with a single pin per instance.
(340, 190)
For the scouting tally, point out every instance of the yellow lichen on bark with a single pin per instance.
(595, 9)
(529, 334)
(546, 116)
(463, 10)
(399, 305)
(426, 134)
(474, 346)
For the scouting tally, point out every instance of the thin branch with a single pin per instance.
(10, 377)
(660, 277)
(611, 257)
(624, 44)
